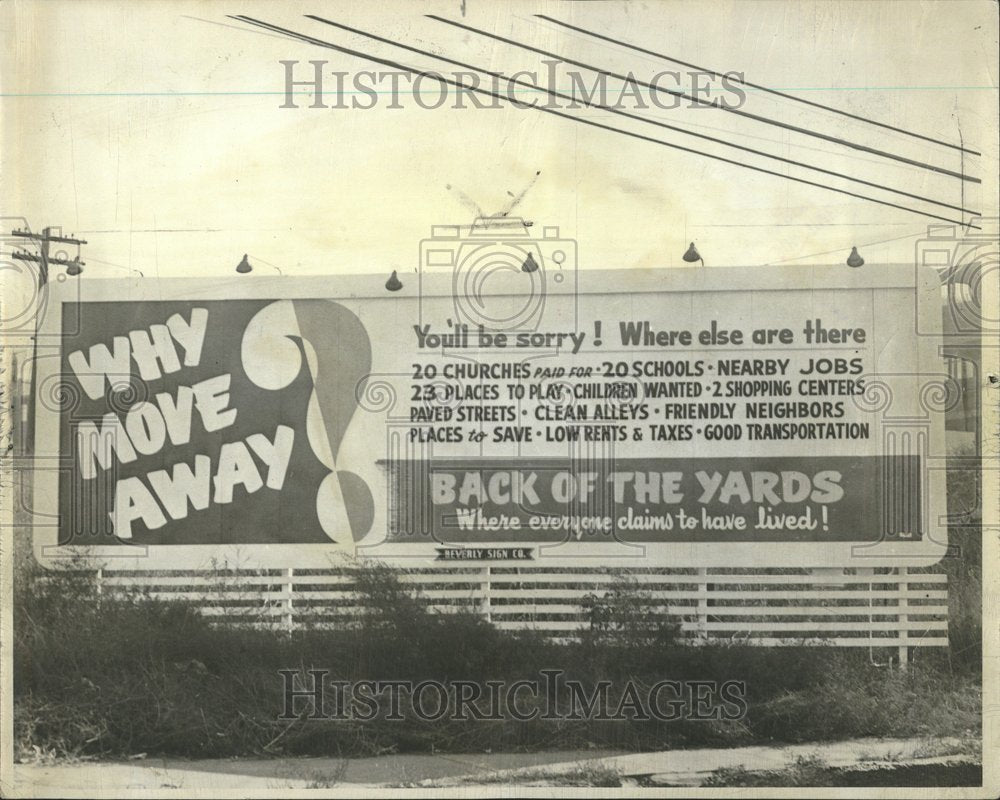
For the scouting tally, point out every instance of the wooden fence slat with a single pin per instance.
(860, 641)
(710, 594)
(741, 637)
(208, 581)
(726, 611)
(350, 595)
(280, 594)
(500, 579)
(831, 625)
(253, 611)
(738, 578)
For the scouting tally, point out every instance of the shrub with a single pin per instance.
(118, 674)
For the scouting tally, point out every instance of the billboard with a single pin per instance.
(709, 417)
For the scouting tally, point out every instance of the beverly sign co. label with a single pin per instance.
(713, 417)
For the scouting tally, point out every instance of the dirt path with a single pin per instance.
(261, 776)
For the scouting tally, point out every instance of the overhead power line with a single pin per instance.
(802, 100)
(592, 123)
(646, 120)
(708, 103)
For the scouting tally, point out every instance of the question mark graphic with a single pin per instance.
(335, 345)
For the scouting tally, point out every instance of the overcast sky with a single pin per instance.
(154, 131)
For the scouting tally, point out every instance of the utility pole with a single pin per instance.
(44, 259)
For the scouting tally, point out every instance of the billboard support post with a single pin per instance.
(289, 615)
(702, 603)
(904, 618)
(487, 603)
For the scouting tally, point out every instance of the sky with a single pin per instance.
(155, 131)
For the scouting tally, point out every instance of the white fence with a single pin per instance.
(896, 608)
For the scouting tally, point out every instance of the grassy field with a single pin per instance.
(117, 676)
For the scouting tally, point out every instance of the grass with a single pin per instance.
(806, 771)
(597, 775)
(113, 676)
(811, 771)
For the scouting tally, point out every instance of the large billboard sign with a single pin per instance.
(702, 417)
